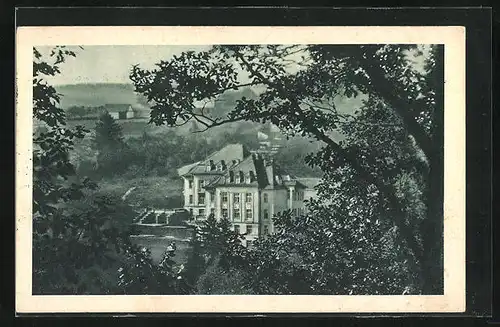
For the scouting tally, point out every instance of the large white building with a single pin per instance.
(247, 188)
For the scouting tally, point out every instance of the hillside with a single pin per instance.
(96, 94)
(104, 93)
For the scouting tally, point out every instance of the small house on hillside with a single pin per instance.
(120, 111)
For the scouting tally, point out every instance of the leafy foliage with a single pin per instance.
(80, 238)
(216, 248)
(392, 148)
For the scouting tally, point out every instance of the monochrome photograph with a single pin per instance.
(238, 169)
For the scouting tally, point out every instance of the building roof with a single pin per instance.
(185, 169)
(257, 171)
(250, 169)
(234, 165)
(228, 156)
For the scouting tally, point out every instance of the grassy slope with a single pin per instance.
(148, 191)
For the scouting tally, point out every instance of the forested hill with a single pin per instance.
(97, 94)
(94, 95)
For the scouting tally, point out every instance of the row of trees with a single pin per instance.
(85, 111)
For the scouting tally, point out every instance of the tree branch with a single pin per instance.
(387, 91)
(395, 207)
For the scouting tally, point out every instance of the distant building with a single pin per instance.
(120, 111)
(247, 188)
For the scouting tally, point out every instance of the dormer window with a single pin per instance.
(223, 164)
(248, 180)
(231, 176)
(252, 176)
(241, 177)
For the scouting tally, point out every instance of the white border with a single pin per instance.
(453, 37)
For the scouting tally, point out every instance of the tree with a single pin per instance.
(108, 133)
(216, 248)
(80, 238)
(112, 152)
(298, 96)
(218, 281)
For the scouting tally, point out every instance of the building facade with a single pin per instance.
(246, 188)
(120, 111)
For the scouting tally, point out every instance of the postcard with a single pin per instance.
(196, 169)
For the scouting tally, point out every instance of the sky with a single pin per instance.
(111, 64)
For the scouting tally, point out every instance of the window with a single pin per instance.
(190, 183)
(249, 214)
(237, 214)
(288, 193)
(236, 197)
(201, 183)
(237, 228)
(202, 212)
(224, 213)
(266, 214)
(266, 198)
(191, 212)
(224, 196)
(249, 197)
(249, 229)
(266, 230)
(212, 196)
(190, 199)
(201, 198)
